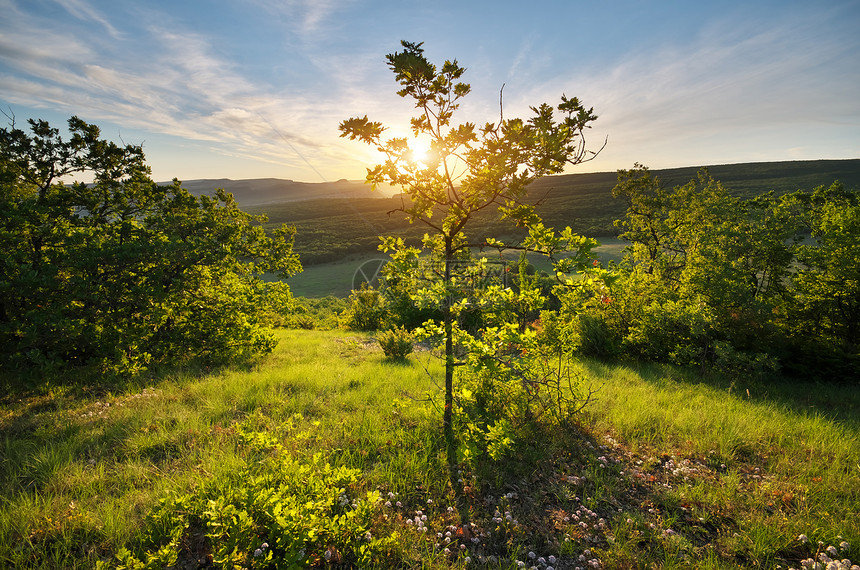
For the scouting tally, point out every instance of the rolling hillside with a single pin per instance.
(333, 223)
(261, 191)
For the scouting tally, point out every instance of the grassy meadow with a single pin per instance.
(338, 278)
(665, 468)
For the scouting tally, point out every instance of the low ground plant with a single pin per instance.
(396, 342)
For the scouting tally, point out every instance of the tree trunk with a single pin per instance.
(448, 417)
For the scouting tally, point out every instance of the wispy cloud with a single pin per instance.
(154, 69)
(83, 10)
(304, 16)
(732, 82)
(175, 84)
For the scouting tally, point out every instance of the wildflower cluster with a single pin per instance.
(101, 409)
(72, 521)
(98, 410)
(666, 471)
(827, 558)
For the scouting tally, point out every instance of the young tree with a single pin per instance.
(467, 170)
(120, 271)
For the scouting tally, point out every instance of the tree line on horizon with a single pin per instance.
(328, 229)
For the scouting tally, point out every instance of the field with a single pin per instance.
(666, 468)
(327, 453)
(340, 277)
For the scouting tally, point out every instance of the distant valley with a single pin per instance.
(335, 219)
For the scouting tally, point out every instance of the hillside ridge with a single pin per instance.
(266, 191)
(261, 191)
(330, 227)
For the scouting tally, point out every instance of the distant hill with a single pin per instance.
(585, 202)
(260, 191)
(334, 223)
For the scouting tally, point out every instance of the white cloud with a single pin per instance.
(304, 16)
(712, 94)
(151, 72)
(84, 11)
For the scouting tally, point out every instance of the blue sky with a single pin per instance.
(256, 88)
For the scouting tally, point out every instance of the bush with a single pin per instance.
(121, 273)
(396, 343)
(596, 337)
(276, 511)
(367, 310)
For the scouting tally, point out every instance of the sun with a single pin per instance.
(419, 151)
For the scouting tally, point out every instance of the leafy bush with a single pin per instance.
(712, 280)
(274, 512)
(367, 310)
(305, 322)
(739, 364)
(513, 389)
(396, 343)
(596, 337)
(316, 313)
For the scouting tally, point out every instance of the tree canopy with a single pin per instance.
(119, 271)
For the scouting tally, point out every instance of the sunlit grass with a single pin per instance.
(699, 472)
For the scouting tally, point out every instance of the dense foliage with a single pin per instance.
(120, 271)
(746, 285)
(272, 512)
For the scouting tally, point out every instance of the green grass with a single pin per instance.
(684, 470)
(339, 277)
(336, 278)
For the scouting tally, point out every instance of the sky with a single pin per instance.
(257, 88)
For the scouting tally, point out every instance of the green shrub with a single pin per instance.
(305, 322)
(367, 310)
(502, 407)
(740, 364)
(275, 512)
(596, 337)
(396, 343)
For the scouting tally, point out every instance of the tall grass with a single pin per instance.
(782, 469)
(737, 471)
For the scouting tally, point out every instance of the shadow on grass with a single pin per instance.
(837, 401)
(587, 501)
(52, 421)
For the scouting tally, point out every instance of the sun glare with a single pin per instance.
(419, 149)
